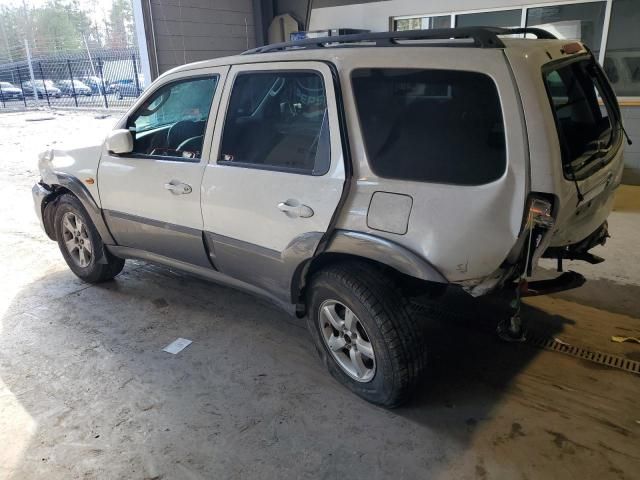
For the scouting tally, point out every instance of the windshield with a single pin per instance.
(585, 114)
(6, 85)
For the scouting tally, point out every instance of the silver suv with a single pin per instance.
(341, 176)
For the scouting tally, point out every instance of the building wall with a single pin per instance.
(192, 30)
(631, 116)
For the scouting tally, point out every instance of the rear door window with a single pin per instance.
(586, 129)
(441, 126)
(277, 120)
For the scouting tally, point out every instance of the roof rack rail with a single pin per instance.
(479, 37)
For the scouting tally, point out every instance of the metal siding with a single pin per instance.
(631, 117)
(194, 30)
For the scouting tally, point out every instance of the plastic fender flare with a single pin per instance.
(386, 252)
(76, 187)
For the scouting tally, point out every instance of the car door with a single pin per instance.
(275, 174)
(151, 197)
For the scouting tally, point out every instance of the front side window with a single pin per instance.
(586, 130)
(172, 121)
(442, 126)
(277, 120)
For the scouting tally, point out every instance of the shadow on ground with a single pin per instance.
(249, 398)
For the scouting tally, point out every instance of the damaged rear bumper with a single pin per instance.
(580, 250)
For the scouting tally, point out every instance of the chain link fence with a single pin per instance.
(103, 78)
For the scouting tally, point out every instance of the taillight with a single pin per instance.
(571, 48)
(540, 213)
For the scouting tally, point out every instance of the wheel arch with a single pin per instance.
(411, 270)
(68, 184)
(48, 209)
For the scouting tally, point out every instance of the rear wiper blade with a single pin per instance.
(626, 135)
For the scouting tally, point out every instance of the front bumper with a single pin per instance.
(40, 193)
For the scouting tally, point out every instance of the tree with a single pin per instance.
(57, 26)
(120, 33)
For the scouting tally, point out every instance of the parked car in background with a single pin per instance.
(95, 84)
(8, 91)
(75, 87)
(114, 85)
(126, 88)
(43, 89)
(346, 182)
(129, 90)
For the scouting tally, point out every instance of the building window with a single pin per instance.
(622, 56)
(421, 23)
(501, 18)
(581, 21)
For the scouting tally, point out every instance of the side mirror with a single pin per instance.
(120, 141)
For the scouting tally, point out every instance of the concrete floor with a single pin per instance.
(86, 392)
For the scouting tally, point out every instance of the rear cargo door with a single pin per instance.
(587, 121)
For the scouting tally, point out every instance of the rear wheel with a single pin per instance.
(80, 242)
(364, 333)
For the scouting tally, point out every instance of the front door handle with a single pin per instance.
(178, 188)
(293, 208)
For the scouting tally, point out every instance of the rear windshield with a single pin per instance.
(585, 114)
(442, 126)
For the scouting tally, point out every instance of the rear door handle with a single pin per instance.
(293, 208)
(178, 188)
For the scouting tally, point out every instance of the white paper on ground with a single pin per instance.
(177, 345)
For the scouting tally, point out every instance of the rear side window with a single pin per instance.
(442, 126)
(585, 128)
(277, 121)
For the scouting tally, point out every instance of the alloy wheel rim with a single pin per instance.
(347, 340)
(76, 239)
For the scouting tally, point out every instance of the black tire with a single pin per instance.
(94, 271)
(397, 340)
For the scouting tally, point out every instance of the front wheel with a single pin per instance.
(363, 331)
(80, 242)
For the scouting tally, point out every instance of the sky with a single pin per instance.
(97, 10)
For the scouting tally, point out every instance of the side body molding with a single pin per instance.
(384, 251)
(269, 270)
